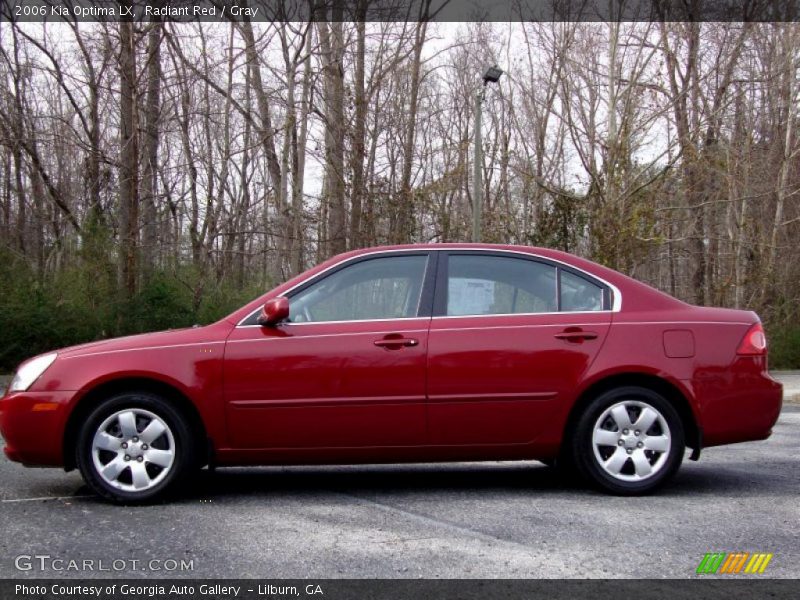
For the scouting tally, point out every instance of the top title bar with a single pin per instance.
(399, 10)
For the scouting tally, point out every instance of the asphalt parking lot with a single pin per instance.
(466, 520)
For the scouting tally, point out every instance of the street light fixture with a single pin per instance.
(491, 75)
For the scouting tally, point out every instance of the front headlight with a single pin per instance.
(31, 371)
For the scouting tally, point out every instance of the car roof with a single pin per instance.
(636, 296)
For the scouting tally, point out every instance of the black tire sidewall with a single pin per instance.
(583, 451)
(154, 404)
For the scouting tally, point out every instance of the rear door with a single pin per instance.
(511, 336)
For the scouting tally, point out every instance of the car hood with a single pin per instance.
(129, 342)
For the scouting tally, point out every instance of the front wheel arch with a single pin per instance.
(95, 396)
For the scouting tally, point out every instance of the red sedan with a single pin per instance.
(408, 353)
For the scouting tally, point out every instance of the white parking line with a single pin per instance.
(43, 498)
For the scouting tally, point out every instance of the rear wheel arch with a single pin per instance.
(96, 395)
(652, 382)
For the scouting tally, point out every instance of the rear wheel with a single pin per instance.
(134, 448)
(628, 441)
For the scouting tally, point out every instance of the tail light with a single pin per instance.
(754, 342)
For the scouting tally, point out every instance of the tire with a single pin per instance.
(615, 455)
(134, 448)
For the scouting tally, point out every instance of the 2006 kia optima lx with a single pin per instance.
(408, 353)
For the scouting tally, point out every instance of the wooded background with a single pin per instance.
(156, 175)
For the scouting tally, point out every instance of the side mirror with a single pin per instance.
(275, 310)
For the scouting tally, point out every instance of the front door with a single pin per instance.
(511, 336)
(348, 368)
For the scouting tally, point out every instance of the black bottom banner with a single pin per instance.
(394, 589)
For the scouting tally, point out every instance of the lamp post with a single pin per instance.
(491, 75)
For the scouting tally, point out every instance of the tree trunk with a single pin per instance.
(359, 132)
(267, 132)
(150, 158)
(301, 140)
(332, 44)
(404, 222)
(128, 168)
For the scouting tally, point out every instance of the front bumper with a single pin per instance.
(32, 425)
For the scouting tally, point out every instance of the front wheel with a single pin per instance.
(133, 448)
(629, 441)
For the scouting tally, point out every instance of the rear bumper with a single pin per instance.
(32, 425)
(743, 407)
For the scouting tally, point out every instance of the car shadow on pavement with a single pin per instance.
(510, 478)
(769, 479)
(742, 479)
(400, 479)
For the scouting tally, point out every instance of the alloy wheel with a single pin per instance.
(631, 441)
(133, 450)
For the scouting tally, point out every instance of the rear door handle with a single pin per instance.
(576, 335)
(396, 342)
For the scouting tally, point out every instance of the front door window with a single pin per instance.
(378, 288)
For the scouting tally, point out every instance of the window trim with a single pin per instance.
(441, 293)
(435, 274)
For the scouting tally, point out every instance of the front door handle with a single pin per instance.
(576, 334)
(398, 342)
